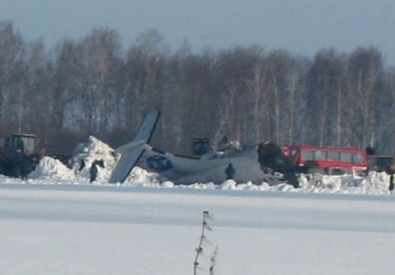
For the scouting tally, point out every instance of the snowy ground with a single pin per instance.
(58, 223)
(51, 171)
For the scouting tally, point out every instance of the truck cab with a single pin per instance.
(383, 163)
(19, 154)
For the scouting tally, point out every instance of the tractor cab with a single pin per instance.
(19, 154)
(19, 145)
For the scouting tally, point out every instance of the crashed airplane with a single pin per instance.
(264, 162)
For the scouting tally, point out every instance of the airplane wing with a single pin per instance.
(132, 151)
(125, 165)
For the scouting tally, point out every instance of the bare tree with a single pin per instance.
(364, 78)
(386, 104)
(12, 77)
(324, 96)
(91, 86)
(191, 96)
(69, 81)
(102, 63)
(281, 93)
(39, 92)
(256, 88)
(144, 70)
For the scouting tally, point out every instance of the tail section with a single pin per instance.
(132, 151)
(148, 126)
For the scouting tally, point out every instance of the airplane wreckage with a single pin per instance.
(264, 162)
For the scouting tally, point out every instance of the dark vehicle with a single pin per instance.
(18, 155)
(383, 163)
(200, 146)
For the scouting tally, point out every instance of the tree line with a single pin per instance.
(92, 86)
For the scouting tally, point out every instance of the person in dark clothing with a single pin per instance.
(25, 168)
(100, 162)
(230, 172)
(82, 165)
(392, 179)
(93, 172)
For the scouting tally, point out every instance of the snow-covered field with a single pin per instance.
(58, 223)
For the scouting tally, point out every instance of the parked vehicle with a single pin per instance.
(19, 155)
(380, 163)
(329, 160)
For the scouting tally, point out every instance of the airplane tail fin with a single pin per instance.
(148, 126)
(132, 151)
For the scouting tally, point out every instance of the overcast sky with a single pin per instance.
(299, 26)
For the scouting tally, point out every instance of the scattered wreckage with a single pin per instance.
(263, 162)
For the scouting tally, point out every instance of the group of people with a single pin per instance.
(93, 170)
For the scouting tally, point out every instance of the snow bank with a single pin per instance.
(52, 171)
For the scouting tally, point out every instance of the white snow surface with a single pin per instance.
(57, 223)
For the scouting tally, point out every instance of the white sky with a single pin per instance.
(302, 27)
